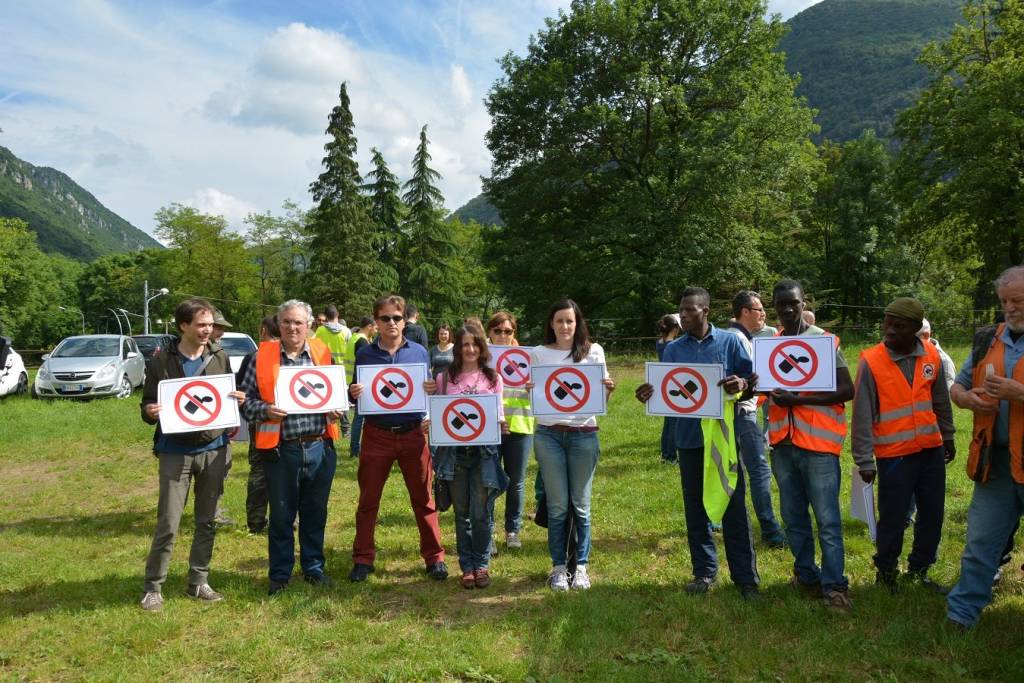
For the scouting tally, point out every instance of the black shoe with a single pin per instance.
(751, 593)
(276, 587)
(360, 572)
(920, 577)
(258, 530)
(700, 585)
(438, 571)
(888, 578)
(776, 543)
(321, 580)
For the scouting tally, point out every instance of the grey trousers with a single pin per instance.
(177, 473)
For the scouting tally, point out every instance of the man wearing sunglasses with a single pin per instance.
(391, 437)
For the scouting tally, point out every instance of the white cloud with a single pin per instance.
(215, 202)
(462, 91)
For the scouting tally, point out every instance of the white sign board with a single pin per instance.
(464, 420)
(802, 363)
(195, 404)
(685, 390)
(392, 388)
(311, 389)
(512, 363)
(568, 390)
(862, 502)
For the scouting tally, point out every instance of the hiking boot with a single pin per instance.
(152, 601)
(700, 585)
(888, 578)
(581, 580)
(751, 593)
(837, 600)
(920, 577)
(204, 592)
(808, 590)
(512, 540)
(438, 571)
(321, 580)
(483, 578)
(360, 572)
(276, 587)
(468, 579)
(559, 578)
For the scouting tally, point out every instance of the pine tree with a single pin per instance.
(343, 268)
(386, 212)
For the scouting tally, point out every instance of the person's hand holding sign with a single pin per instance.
(355, 391)
(786, 399)
(733, 384)
(238, 396)
(609, 385)
(430, 386)
(152, 410)
(644, 392)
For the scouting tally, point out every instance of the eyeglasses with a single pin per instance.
(503, 330)
(391, 318)
(751, 308)
(293, 323)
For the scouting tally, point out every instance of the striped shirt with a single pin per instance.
(255, 408)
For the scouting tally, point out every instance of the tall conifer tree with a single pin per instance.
(386, 212)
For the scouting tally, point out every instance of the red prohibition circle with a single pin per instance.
(554, 379)
(321, 398)
(453, 408)
(670, 379)
(380, 382)
(805, 375)
(187, 392)
(519, 377)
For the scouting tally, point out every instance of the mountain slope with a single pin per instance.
(66, 218)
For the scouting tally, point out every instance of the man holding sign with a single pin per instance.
(297, 450)
(199, 455)
(704, 343)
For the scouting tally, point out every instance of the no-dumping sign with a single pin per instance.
(512, 363)
(685, 390)
(568, 390)
(803, 363)
(392, 388)
(195, 404)
(465, 420)
(310, 389)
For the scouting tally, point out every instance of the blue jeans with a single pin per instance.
(739, 546)
(299, 482)
(356, 435)
(474, 511)
(567, 463)
(811, 479)
(995, 507)
(750, 440)
(515, 456)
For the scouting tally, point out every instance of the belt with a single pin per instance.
(395, 429)
(307, 439)
(567, 428)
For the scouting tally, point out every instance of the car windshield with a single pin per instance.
(87, 348)
(147, 343)
(237, 346)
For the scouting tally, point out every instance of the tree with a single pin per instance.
(962, 160)
(342, 267)
(642, 145)
(277, 246)
(386, 212)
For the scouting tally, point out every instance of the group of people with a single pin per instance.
(902, 437)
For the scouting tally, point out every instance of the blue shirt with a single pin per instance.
(1013, 353)
(408, 353)
(720, 347)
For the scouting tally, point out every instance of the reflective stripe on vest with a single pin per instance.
(268, 363)
(721, 462)
(979, 462)
(906, 422)
(518, 412)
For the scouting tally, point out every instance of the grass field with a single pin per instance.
(78, 510)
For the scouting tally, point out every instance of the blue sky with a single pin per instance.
(222, 104)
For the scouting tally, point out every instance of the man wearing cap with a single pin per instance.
(902, 416)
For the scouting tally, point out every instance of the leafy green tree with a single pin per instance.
(342, 267)
(642, 145)
(386, 211)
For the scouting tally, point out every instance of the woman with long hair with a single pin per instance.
(567, 446)
(441, 354)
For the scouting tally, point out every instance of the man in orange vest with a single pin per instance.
(297, 450)
(902, 415)
(991, 385)
(806, 432)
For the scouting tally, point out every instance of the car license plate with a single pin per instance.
(73, 388)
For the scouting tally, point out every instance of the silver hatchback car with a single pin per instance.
(91, 365)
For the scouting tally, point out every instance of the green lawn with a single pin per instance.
(78, 510)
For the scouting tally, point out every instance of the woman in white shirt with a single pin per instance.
(567, 447)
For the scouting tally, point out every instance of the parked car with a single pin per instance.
(237, 346)
(152, 344)
(91, 365)
(13, 375)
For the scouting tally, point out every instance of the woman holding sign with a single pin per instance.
(474, 473)
(567, 447)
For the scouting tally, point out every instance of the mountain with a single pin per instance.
(66, 218)
(478, 209)
(857, 59)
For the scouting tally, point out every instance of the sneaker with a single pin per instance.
(321, 580)
(468, 579)
(808, 590)
(152, 602)
(438, 571)
(360, 572)
(276, 587)
(920, 577)
(559, 578)
(888, 578)
(204, 592)
(700, 585)
(221, 520)
(751, 593)
(512, 540)
(837, 600)
(581, 580)
(492, 549)
(482, 577)
(998, 577)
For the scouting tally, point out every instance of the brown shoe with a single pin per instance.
(837, 601)
(468, 579)
(483, 578)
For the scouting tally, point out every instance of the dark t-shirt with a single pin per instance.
(417, 333)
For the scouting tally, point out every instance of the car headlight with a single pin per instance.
(106, 371)
(44, 373)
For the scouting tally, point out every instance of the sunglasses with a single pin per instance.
(391, 318)
(502, 330)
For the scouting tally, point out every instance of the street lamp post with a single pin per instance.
(65, 308)
(120, 330)
(146, 298)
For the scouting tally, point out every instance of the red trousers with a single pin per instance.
(378, 451)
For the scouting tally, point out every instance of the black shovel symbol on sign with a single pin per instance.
(305, 390)
(194, 402)
(458, 422)
(561, 392)
(387, 389)
(690, 386)
(510, 367)
(786, 366)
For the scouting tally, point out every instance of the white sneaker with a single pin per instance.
(152, 602)
(559, 579)
(512, 540)
(581, 581)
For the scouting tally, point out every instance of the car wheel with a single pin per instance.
(125, 390)
(22, 384)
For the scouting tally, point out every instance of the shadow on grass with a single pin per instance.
(98, 525)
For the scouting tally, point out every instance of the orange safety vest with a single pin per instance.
(979, 462)
(268, 363)
(906, 421)
(813, 428)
